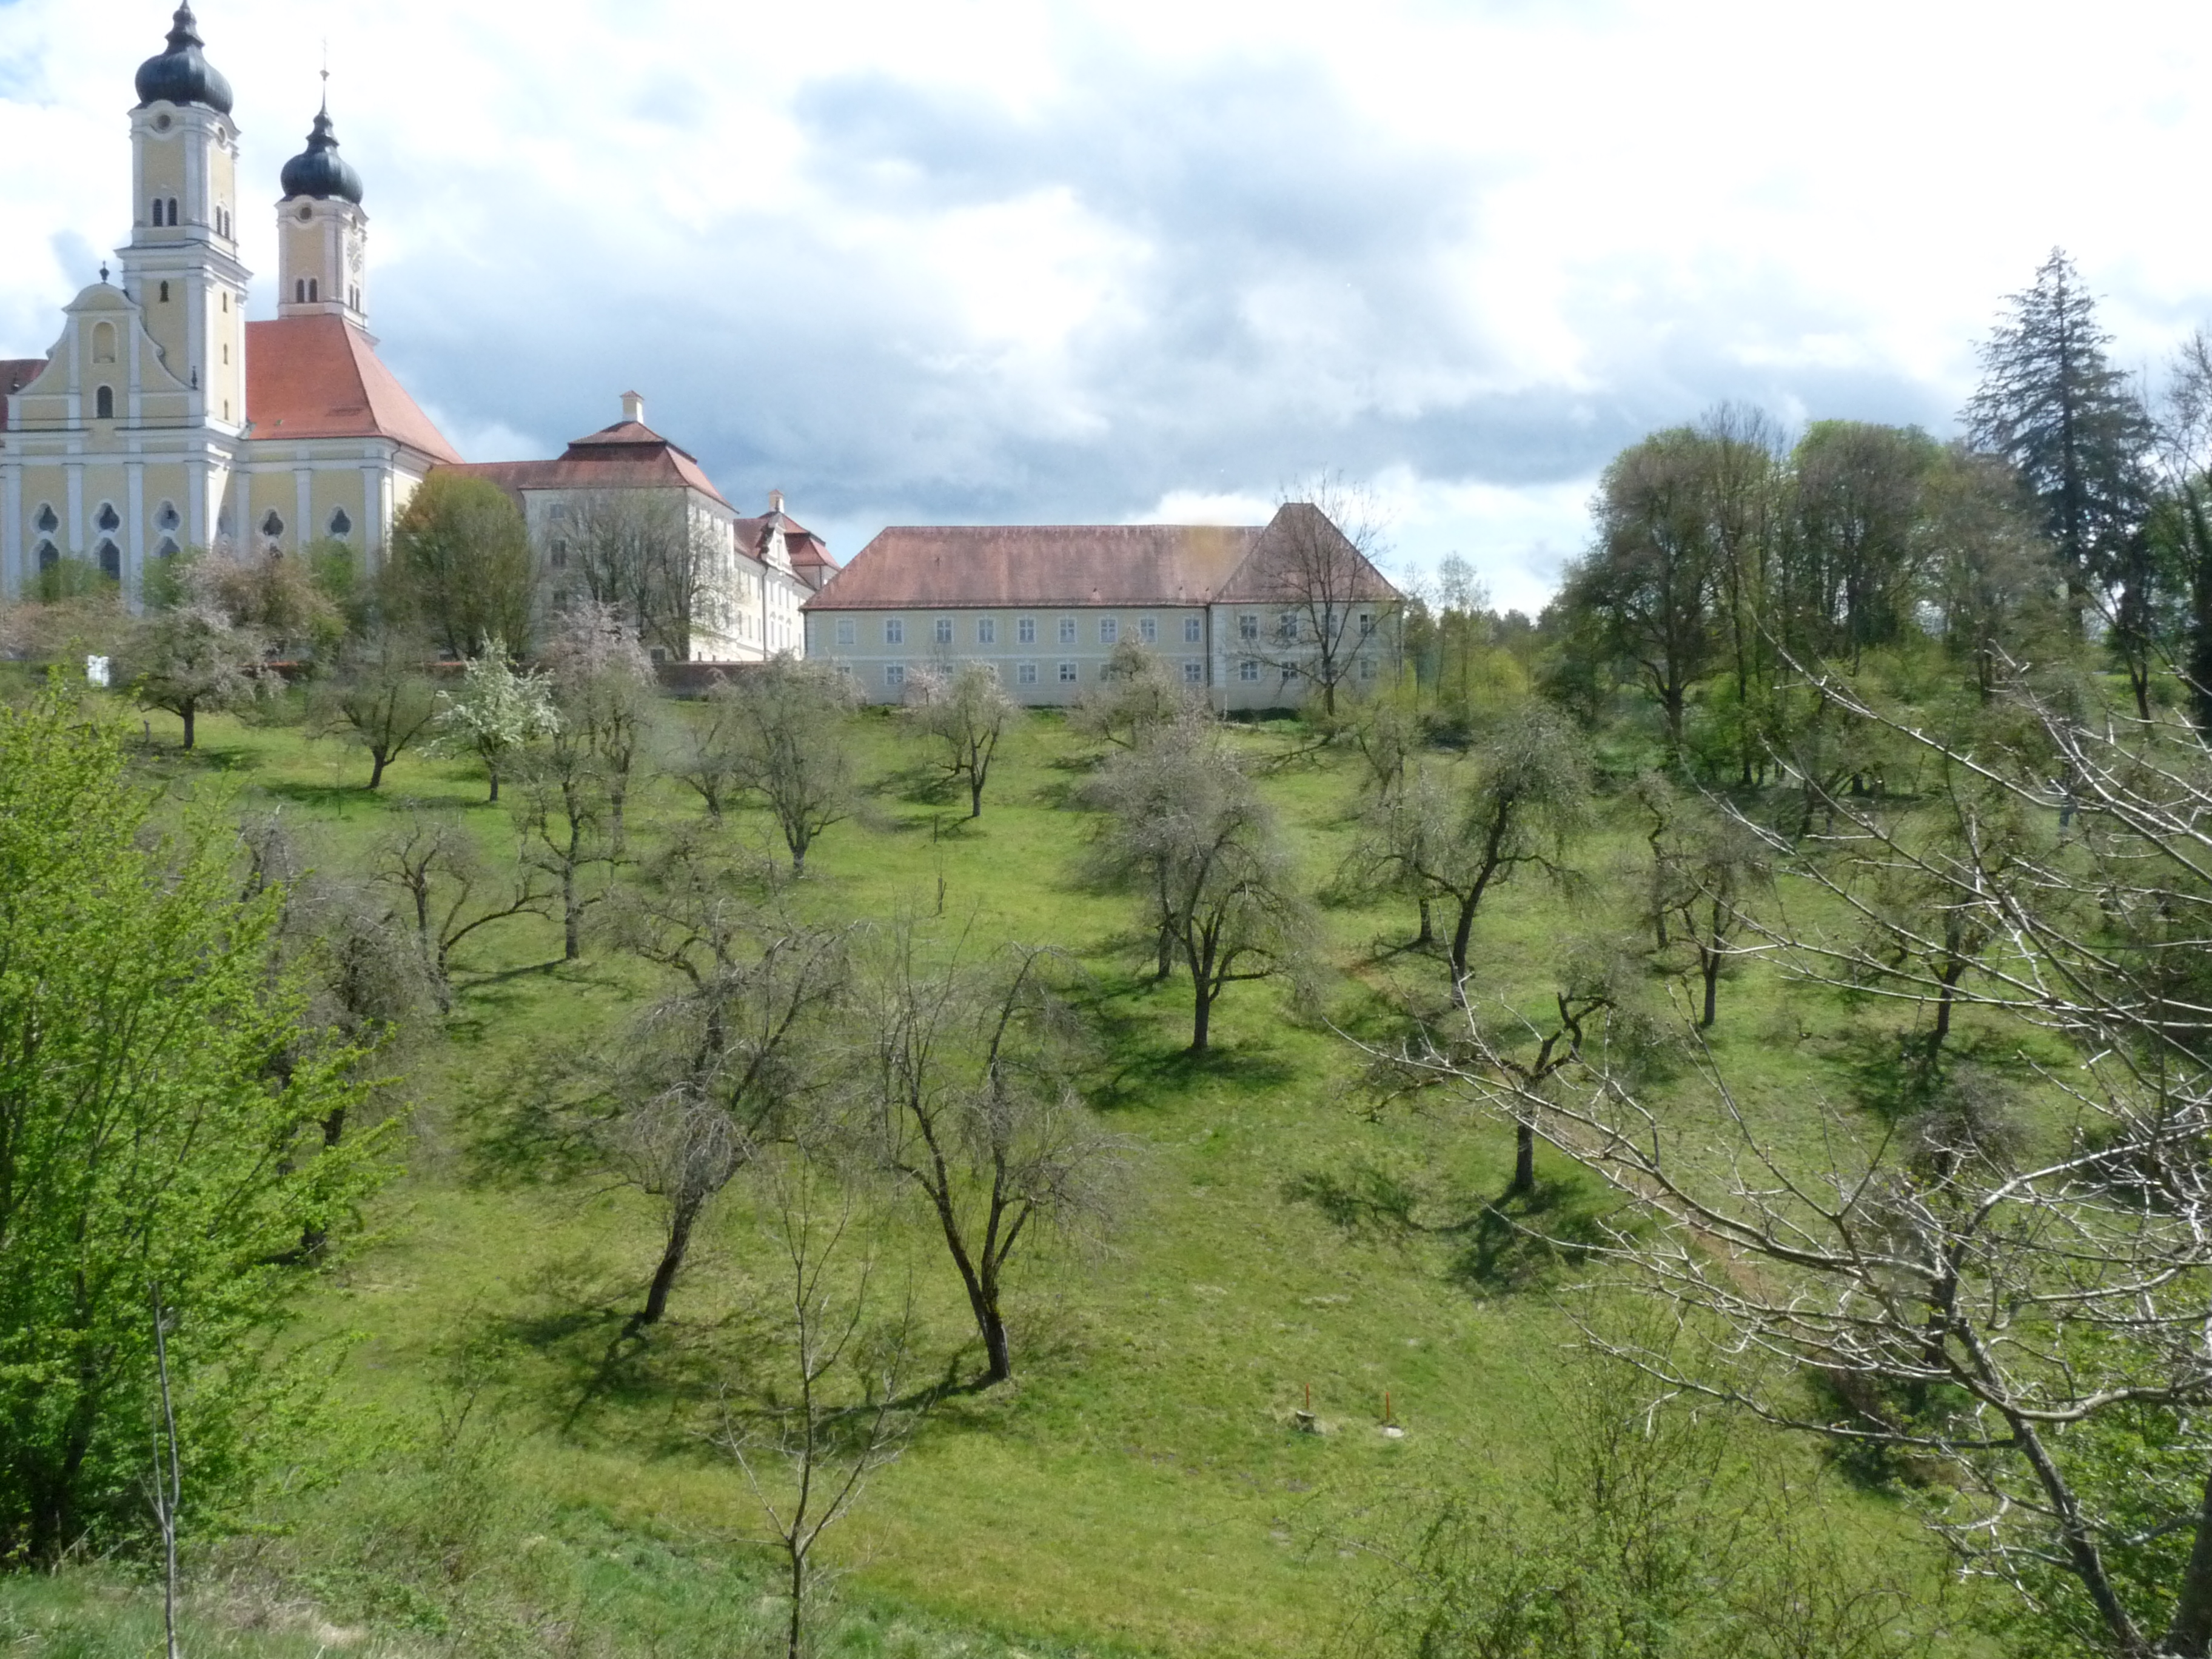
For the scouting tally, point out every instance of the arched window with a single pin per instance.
(340, 523)
(165, 293)
(300, 290)
(103, 343)
(168, 550)
(103, 404)
(158, 220)
(111, 562)
(47, 520)
(49, 555)
(314, 296)
(272, 524)
(172, 210)
(166, 517)
(108, 519)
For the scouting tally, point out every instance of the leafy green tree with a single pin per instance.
(2051, 403)
(194, 659)
(497, 712)
(159, 1116)
(1850, 565)
(463, 557)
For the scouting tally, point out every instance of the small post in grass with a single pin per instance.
(1304, 1419)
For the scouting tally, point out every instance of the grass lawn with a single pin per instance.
(1140, 1488)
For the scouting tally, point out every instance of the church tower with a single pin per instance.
(321, 230)
(181, 266)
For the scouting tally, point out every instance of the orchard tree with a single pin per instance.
(1140, 695)
(497, 714)
(965, 713)
(652, 558)
(789, 741)
(1314, 568)
(1183, 828)
(191, 660)
(378, 693)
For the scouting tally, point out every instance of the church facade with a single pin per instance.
(163, 421)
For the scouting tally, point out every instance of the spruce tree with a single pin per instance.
(2053, 404)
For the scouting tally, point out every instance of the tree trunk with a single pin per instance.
(664, 1276)
(798, 1592)
(1163, 969)
(1709, 963)
(2190, 1635)
(1201, 1014)
(1461, 932)
(974, 794)
(998, 1349)
(186, 712)
(379, 760)
(1428, 933)
(494, 784)
(1525, 1158)
(571, 913)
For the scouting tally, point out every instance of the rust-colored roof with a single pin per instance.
(625, 456)
(808, 553)
(975, 566)
(1302, 554)
(318, 377)
(16, 373)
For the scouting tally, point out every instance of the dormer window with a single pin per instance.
(340, 523)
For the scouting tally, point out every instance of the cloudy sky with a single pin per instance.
(1006, 261)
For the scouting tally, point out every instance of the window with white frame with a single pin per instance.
(1366, 623)
(1109, 630)
(847, 632)
(1193, 672)
(1067, 673)
(986, 630)
(1067, 631)
(1193, 630)
(1247, 670)
(1367, 668)
(894, 632)
(1025, 674)
(1286, 626)
(1247, 626)
(945, 631)
(895, 675)
(1148, 630)
(1025, 631)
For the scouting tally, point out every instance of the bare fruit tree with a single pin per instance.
(966, 1096)
(787, 747)
(449, 892)
(655, 558)
(2010, 1292)
(809, 1445)
(966, 712)
(1315, 569)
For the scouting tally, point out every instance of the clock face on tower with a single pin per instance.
(353, 259)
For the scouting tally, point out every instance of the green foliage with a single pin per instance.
(464, 568)
(159, 1107)
(497, 712)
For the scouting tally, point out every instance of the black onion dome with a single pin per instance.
(183, 75)
(319, 170)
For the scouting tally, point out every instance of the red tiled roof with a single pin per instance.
(16, 373)
(318, 377)
(973, 566)
(625, 456)
(808, 553)
(1302, 553)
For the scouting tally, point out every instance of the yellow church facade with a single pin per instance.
(162, 419)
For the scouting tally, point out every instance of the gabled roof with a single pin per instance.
(318, 377)
(976, 566)
(627, 455)
(16, 373)
(1303, 555)
(808, 553)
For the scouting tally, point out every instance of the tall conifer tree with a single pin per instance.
(2053, 404)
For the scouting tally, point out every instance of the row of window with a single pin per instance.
(1025, 673)
(1289, 628)
(1025, 630)
(109, 555)
(47, 521)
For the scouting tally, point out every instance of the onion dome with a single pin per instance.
(319, 170)
(182, 75)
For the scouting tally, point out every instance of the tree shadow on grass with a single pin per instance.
(1520, 1241)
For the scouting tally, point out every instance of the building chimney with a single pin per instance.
(633, 408)
(776, 501)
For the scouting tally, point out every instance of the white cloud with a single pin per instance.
(1007, 259)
